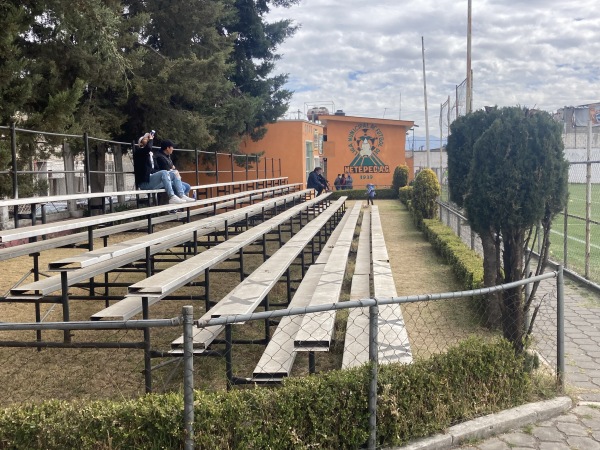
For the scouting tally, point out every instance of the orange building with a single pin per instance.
(367, 148)
(297, 143)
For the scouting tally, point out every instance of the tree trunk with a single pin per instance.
(493, 310)
(513, 316)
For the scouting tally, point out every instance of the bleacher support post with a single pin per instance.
(373, 358)
(188, 376)
(147, 349)
(88, 181)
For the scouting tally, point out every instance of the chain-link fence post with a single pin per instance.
(373, 358)
(188, 376)
(560, 329)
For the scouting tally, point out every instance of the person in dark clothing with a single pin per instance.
(313, 181)
(147, 175)
(338, 182)
(324, 182)
(164, 162)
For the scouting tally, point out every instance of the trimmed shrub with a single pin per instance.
(405, 194)
(400, 178)
(466, 264)
(361, 194)
(328, 410)
(426, 190)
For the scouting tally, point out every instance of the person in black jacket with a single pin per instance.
(164, 162)
(147, 175)
(314, 181)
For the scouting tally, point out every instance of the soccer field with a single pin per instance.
(576, 232)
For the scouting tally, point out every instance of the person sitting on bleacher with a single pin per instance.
(164, 162)
(148, 176)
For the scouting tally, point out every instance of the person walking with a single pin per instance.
(370, 193)
(343, 182)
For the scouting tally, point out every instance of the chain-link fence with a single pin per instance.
(307, 340)
(575, 231)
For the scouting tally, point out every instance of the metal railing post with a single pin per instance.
(588, 201)
(256, 164)
(246, 167)
(216, 167)
(232, 171)
(86, 165)
(188, 376)
(196, 161)
(560, 329)
(13, 151)
(373, 358)
(566, 235)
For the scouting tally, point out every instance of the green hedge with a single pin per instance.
(328, 411)
(466, 264)
(405, 194)
(361, 194)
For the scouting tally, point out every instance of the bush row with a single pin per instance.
(361, 194)
(466, 264)
(328, 411)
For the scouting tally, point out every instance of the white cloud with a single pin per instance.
(364, 55)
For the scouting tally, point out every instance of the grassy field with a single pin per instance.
(576, 229)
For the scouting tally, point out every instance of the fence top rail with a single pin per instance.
(67, 197)
(273, 314)
(71, 224)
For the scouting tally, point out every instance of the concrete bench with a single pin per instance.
(316, 331)
(356, 341)
(249, 294)
(158, 286)
(39, 289)
(393, 340)
(278, 357)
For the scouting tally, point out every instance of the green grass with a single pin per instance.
(576, 230)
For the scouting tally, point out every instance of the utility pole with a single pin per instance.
(469, 106)
(425, 97)
(400, 107)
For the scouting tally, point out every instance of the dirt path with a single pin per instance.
(417, 269)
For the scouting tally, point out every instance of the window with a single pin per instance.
(310, 166)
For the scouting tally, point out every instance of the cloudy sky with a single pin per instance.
(364, 57)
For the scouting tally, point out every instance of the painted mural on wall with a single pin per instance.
(365, 142)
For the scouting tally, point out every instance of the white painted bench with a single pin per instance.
(393, 340)
(86, 222)
(158, 286)
(356, 341)
(317, 329)
(278, 357)
(39, 289)
(79, 237)
(249, 294)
